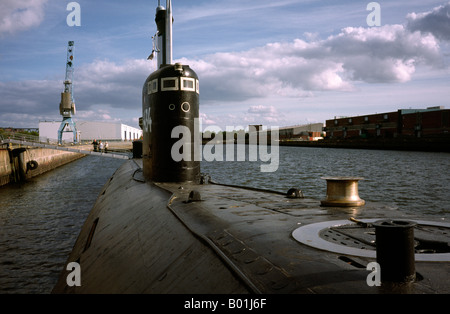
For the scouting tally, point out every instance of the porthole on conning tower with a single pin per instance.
(431, 238)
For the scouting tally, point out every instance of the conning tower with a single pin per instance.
(170, 108)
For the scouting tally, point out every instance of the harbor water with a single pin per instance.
(413, 182)
(40, 219)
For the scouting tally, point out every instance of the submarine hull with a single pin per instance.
(138, 248)
(146, 237)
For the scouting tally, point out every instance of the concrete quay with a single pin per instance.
(22, 163)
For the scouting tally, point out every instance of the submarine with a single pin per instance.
(161, 226)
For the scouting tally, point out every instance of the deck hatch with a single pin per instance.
(346, 237)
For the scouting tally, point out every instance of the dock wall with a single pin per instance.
(20, 164)
(5, 167)
(425, 144)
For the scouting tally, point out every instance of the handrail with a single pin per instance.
(36, 141)
(66, 148)
(30, 138)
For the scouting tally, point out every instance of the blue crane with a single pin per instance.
(67, 105)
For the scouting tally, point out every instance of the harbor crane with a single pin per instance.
(67, 105)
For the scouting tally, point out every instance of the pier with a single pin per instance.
(81, 149)
(23, 157)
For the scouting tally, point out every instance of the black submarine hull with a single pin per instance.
(138, 246)
(144, 237)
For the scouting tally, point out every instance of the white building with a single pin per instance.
(87, 131)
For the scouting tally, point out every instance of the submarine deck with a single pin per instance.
(144, 237)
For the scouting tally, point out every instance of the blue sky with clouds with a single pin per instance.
(276, 63)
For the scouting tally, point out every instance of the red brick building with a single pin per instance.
(425, 123)
(408, 122)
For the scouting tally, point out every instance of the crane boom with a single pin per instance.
(69, 70)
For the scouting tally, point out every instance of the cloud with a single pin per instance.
(435, 22)
(20, 15)
(247, 83)
(29, 97)
(98, 83)
(262, 109)
(207, 119)
(96, 86)
(103, 82)
(387, 54)
(263, 114)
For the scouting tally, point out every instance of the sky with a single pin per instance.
(275, 63)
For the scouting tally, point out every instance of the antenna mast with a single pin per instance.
(169, 21)
(164, 20)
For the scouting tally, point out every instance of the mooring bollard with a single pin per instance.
(137, 149)
(395, 250)
(342, 192)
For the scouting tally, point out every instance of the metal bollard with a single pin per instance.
(395, 250)
(342, 192)
(137, 149)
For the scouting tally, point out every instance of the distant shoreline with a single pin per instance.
(438, 144)
(428, 144)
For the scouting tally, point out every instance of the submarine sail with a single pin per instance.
(170, 109)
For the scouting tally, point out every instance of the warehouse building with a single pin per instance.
(433, 121)
(88, 131)
(307, 132)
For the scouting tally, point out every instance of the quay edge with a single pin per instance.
(21, 164)
(430, 144)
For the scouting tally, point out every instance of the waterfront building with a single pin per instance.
(307, 132)
(433, 121)
(88, 131)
